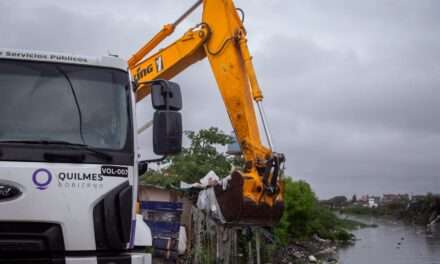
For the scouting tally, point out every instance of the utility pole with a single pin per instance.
(258, 245)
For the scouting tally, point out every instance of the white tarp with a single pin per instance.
(181, 246)
(207, 200)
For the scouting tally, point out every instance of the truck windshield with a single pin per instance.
(59, 102)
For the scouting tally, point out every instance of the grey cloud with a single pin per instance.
(357, 118)
(351, 87)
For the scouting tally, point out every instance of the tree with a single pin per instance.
(354, 198)
(195, 161)
(338, 201)
(303, 216)
(299, 205)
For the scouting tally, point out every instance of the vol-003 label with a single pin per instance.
(114, 171)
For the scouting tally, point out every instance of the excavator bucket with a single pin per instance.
(237, 209)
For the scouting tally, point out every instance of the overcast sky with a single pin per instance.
(352, 88)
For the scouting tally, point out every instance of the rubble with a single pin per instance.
(315, 250)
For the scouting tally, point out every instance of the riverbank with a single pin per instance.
(424, 211)
(317, 249)
(309, 232)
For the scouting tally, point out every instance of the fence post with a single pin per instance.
(258, 245)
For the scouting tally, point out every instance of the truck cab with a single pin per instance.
(68, 160)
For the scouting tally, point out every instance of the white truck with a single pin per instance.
(69, 165)
(68, 158)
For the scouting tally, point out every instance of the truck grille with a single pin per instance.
(112, 219)
(24, 237)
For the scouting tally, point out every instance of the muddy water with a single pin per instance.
(392, 243)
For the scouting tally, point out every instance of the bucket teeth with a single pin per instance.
(239, 210)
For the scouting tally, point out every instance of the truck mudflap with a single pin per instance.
(125, 258)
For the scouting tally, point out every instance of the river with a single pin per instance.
(392, 243)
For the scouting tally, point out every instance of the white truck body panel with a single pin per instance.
(49, 195)
(31, 55)
(68, 202)
(143, 236)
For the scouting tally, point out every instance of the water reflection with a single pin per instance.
(392, 243)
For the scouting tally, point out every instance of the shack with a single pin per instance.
(168, 214)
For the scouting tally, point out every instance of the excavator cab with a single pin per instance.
(254, 194)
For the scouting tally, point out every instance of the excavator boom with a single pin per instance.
(170, 61)
(254, 195)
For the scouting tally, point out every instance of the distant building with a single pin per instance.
(389, 198)
(415, 198)
(377, 198)
(372, 203)
(404, 197)
(393, 198)
(363, 199)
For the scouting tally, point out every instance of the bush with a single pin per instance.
(303, 216)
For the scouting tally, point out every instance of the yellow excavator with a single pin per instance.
(254, 195)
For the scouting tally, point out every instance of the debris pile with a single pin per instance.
(317, 250)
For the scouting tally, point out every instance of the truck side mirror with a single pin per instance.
(167, 132)
(166, 95)
(167, 124)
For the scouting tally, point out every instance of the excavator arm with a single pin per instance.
(170, 61)
(255, 195)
